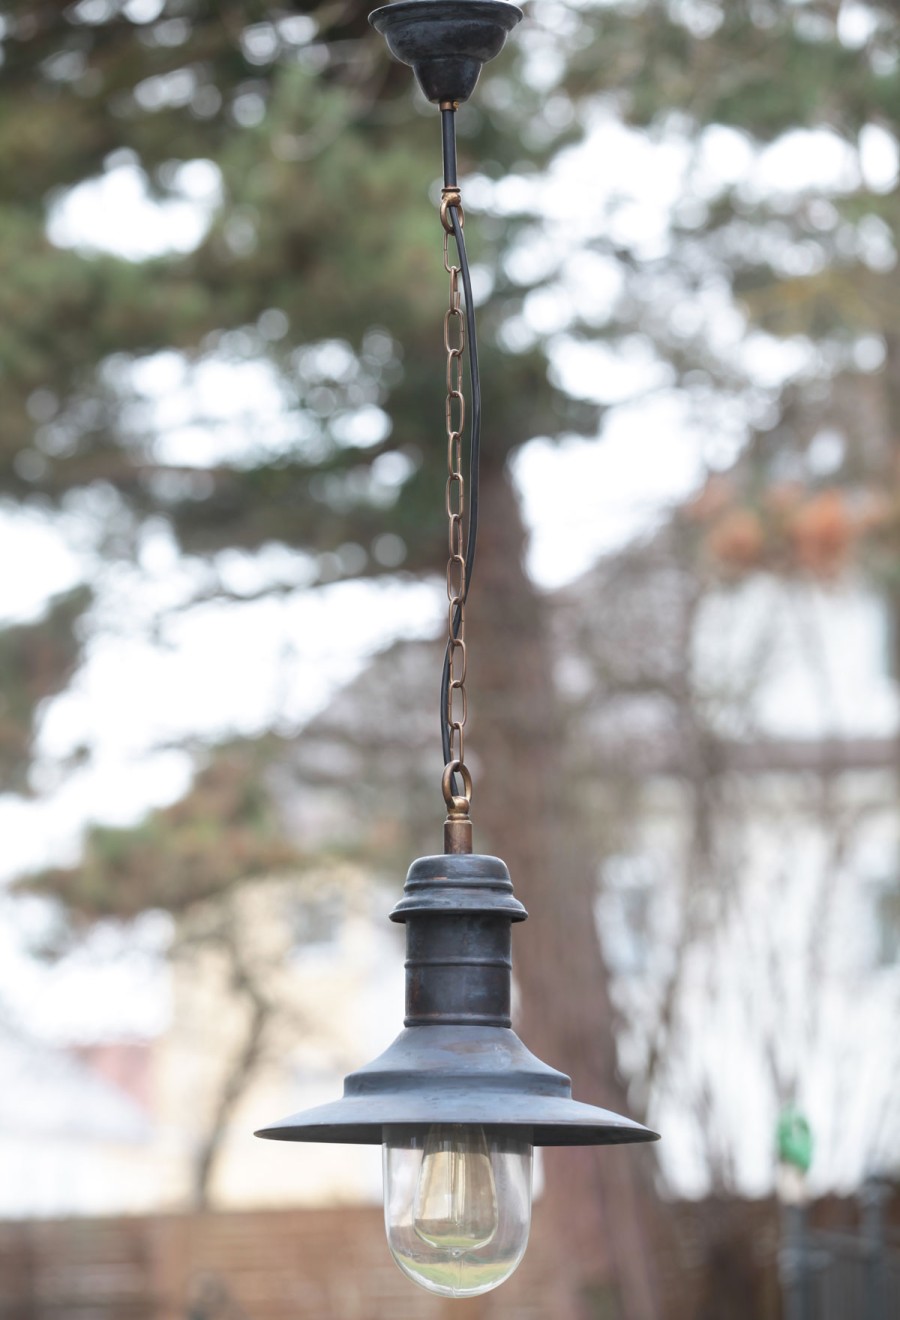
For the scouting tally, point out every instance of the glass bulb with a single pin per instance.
(457, 1205)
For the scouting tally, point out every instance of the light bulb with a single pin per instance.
(457, 1205)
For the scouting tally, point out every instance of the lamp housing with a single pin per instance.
(457, 1101)
(458, 1061)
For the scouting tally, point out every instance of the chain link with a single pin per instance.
(455, 418)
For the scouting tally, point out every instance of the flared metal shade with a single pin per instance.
(458, 1061)
(467, 1075)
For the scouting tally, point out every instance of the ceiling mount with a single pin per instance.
(446, 42)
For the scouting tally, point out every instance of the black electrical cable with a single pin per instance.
(448, 145)
(448, 118)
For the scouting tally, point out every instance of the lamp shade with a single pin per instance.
(458, 1061)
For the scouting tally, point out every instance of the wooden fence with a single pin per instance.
(333, 1264)
(266, 1265)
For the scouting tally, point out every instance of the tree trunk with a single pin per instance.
(888, 480)
(238, 1077)
(603, 1211)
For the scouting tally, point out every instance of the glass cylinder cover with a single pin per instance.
(457, 1205)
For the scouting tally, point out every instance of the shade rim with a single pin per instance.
(350, 1128)
(471, 1076)
(368, 1136)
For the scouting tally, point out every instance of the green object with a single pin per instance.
(794, 1139)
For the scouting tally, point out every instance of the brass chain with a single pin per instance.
(455, 416)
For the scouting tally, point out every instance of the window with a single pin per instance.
(626, 911)
(314, 920)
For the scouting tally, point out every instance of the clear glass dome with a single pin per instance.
(457, 1205)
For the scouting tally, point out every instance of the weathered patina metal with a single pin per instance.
(458, 1060)
(446, 41)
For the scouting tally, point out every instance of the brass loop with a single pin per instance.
(454, 454)
(455, 565)
(457, 647)
(454, 603)
(460, 723)
(455, 543)
(454, 802)
(450, 197)
(455, 502)
(455, 397)
(450, 269)
(454, 313)
(454, 371)
(457, 742)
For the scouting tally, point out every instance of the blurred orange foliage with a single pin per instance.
(737, 539)
(821, 534)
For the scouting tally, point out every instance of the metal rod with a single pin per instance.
(794, 1263)
(457, 833)
(876, 1301)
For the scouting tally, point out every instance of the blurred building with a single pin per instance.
(71, 1141)
(741, 756)
(124, 1126)
(296, 983)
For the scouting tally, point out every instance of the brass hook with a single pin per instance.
(451, 197)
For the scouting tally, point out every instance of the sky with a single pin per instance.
(213, 669)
